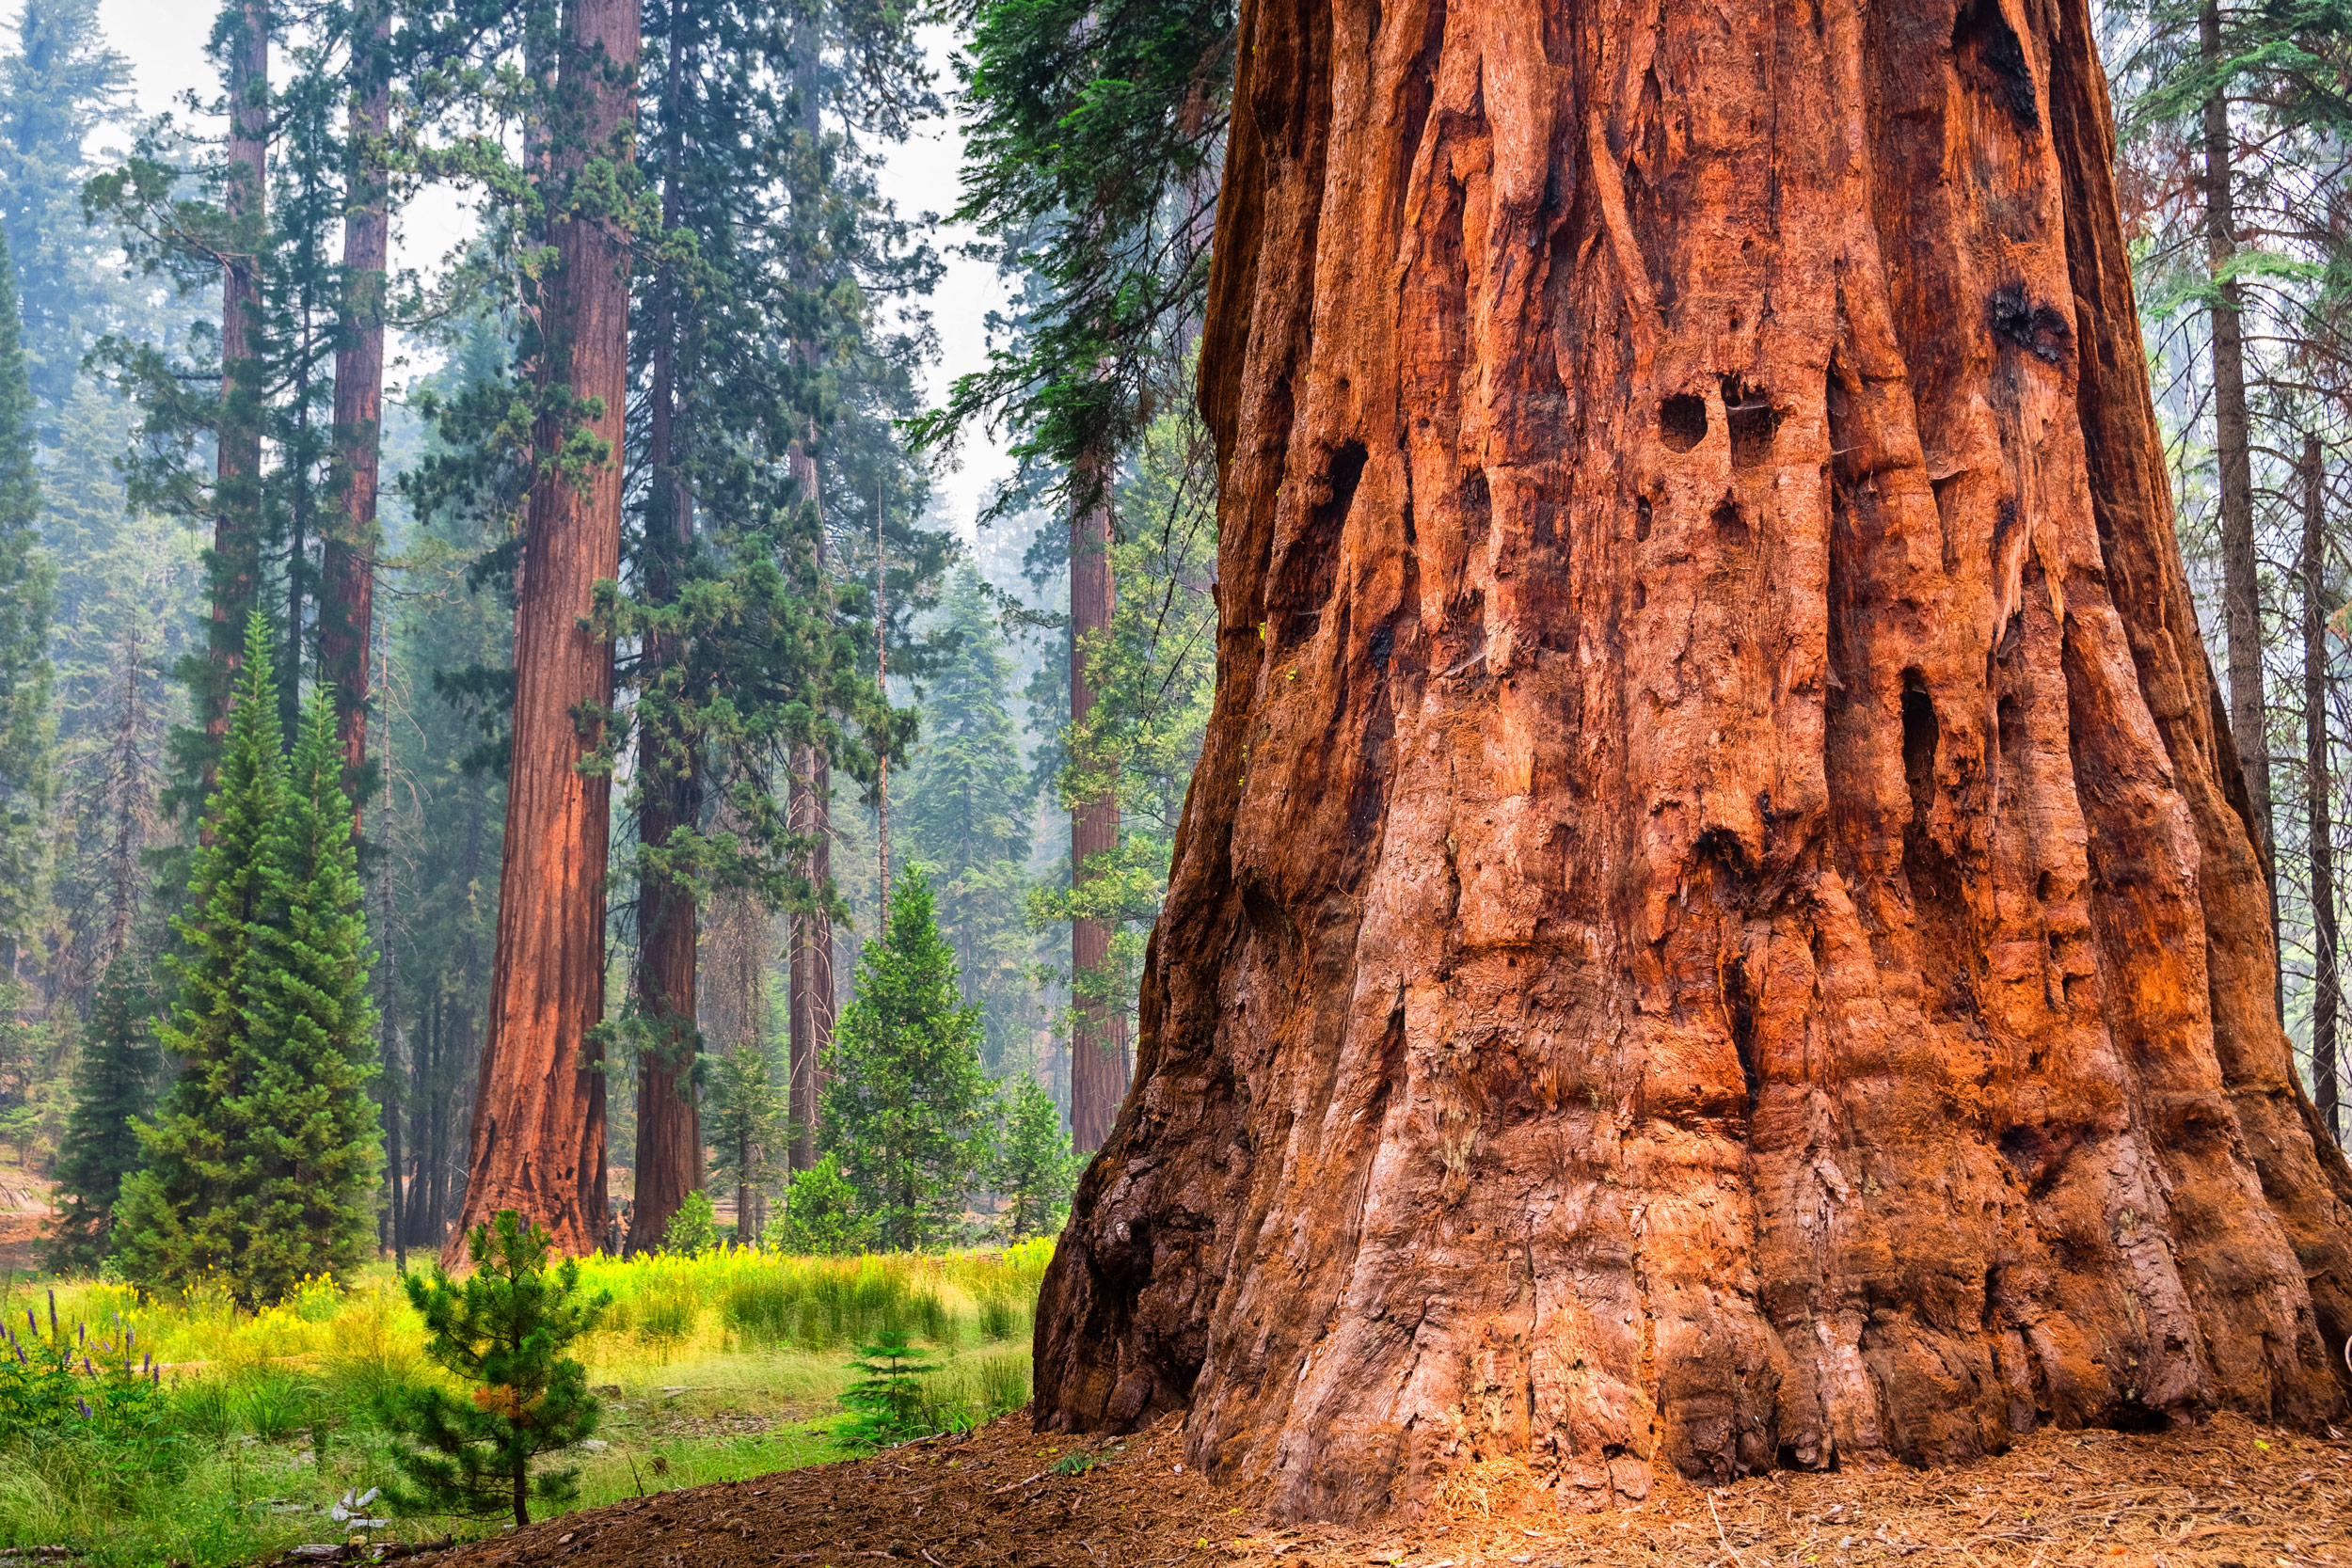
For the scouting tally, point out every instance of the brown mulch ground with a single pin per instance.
(2227, 1494)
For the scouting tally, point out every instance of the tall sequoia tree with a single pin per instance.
(539, 1116)
(1718, 922)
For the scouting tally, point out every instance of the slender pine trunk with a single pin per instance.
(2319, 786)
(235, 566)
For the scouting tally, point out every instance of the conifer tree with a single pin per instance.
(908, 1106)
(26, 581)
(965, 809)
(261, 1166)
(312, 1130)
(114, 1084)
(1034, 1170)
(189, 1211)
(62, 83)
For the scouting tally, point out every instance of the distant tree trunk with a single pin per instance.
(669, 1160)
(1098, 1031)
(810, 997)
(347, 608)
(237, 455)
(1717, 923)
(2241, 592)
(539, 1114)
(2318, 786)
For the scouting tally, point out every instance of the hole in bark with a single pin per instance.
(1728, 522)
(1641, 595)
(1920, 737)
(1754, 422)
(1310, 559)
(1682, 421)
(1640, 518)
(2040, 329)
(1993, 57)
(1740, 1008)
(1478, 506)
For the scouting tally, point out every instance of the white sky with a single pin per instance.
(165, 41)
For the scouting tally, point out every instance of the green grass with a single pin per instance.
(712, 1369)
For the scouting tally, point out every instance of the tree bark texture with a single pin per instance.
(1716, 923)
(2318, 786)
(347, 611)
(237, 449)
(539, 1116)
(1098, 1030)
(669, 1119)
(2241, 591)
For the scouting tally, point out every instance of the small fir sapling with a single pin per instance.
(503, 1329)
(886, 1405)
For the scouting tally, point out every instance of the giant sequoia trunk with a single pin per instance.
(538, 1125)
(1716, 923)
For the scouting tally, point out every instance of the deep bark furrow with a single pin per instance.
(1716, 925)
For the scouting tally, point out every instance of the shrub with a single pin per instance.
(505, 1331)
(692, 1230)
(821, 1214)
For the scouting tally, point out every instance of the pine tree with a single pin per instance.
(311, 1129)
(965, 809)
(261, 1165)
(748, 1130)
(114, 1084)
(190, 1211)
(62, 83)
(1034, 1169)
(27, 729)
(908, 1106)
(504, 1329)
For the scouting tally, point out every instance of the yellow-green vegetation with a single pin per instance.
(708, 1368)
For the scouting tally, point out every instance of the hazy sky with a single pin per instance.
(164, 40)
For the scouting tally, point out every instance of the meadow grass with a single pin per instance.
(709, 1368)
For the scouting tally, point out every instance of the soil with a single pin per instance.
(2228, 1494)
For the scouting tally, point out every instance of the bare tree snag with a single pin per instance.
(1717, 923)
(237, 448)
(1098, 1034)
(539, 1118)
(347, 618)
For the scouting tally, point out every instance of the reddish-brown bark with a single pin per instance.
(237, 448)
(347, 611)
(1098, 1031)
(539, 1117)
(1716, 923)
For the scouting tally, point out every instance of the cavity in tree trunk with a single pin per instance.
(237, 454)
(669, 1120)
(2318, 783)
(539, 1121)
(2241, 593)
(347, 608)
(1716, 924)
(1098, 1029)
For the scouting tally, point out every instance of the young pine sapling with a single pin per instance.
(504, 1329)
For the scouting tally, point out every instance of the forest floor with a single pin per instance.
(2228, 1495)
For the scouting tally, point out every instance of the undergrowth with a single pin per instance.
(243, 1428)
